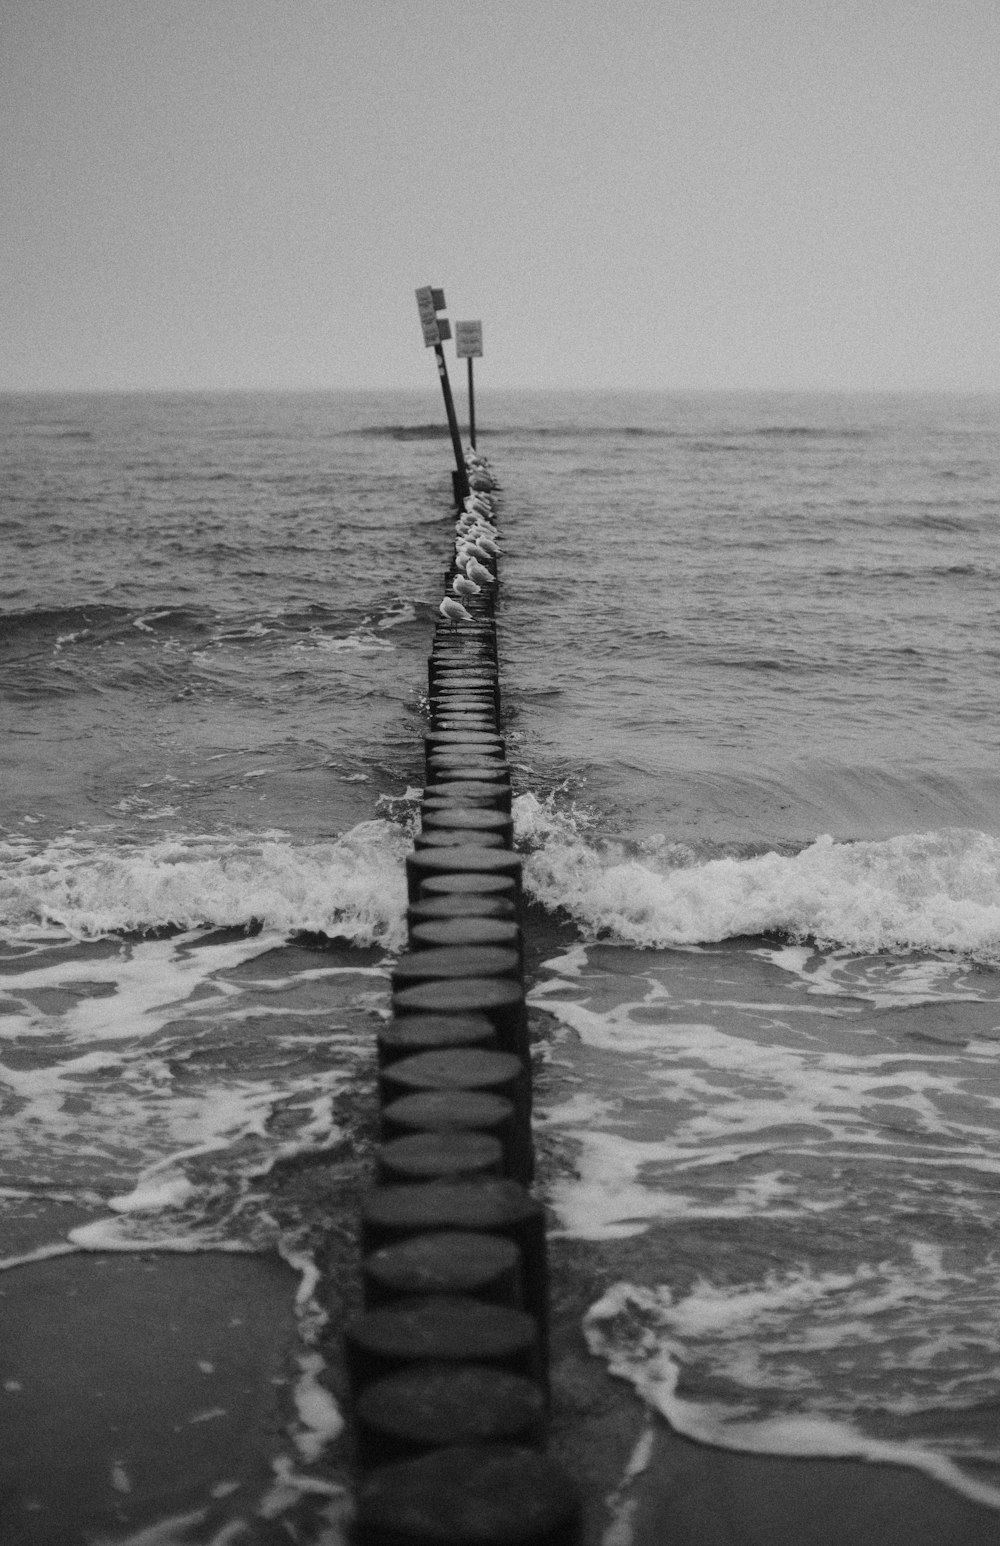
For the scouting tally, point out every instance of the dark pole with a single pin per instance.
(461, 478)
(472, 408)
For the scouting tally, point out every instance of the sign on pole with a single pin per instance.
(429, 303)
(436, 330)
(469, 347)
(469, 340)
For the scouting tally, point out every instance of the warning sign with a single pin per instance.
(429, 303)
(468, 340)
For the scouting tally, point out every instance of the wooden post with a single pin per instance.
(461, 479)
(436, 329)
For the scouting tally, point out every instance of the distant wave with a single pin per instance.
(806, 431)
(101, 621)
(402, 431)
(58, 432)
(723, 439)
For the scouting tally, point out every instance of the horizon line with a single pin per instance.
(286, 390)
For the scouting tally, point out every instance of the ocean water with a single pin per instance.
(749, 652)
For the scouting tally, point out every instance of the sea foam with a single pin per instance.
(936, 890)
(351, 886)
(648, 1340)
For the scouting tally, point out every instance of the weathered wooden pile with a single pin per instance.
(448, 1362)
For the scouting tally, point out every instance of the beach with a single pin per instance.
(156, 1391)
(747, 661)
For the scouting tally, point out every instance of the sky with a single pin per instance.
(630, 194)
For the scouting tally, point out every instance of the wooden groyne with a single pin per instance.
(448, 1361)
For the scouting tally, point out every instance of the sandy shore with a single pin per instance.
(141, 1389)
(136, 1386)
(687, 1494)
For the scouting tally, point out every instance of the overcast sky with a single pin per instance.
(628, 193)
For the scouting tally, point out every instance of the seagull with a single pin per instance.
(490, 546)
(454, 611)
(477, 571)
(463, 587)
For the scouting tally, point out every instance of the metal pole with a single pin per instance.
(461, 479)
(472, 407)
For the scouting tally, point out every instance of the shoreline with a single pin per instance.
(147, 1396)
(159, 1390)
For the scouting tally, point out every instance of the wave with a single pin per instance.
(99, 623)
(806, 431)
(723, 438)
(401, 431)
(937, 890)
(351, 887)
(646, 1339)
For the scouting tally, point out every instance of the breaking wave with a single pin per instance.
(351, 887)
(937, 890)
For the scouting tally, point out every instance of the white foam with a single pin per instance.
(118, 1235)
(634, 1331)
(351, 886)
(319, 1419)
(150, 1196)
(147, 1058)
(707, 1086)
(716, 1117)
(890, 982)
(928, 891)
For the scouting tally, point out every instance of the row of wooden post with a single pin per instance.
(448, 1362)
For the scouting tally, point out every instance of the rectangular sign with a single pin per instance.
(428, 315)
(468, 340)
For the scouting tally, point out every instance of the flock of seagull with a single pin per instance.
(476, 550)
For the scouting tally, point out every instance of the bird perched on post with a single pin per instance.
(454, 611)
(477, 571)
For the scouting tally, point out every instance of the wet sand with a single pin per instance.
(643, 1485)
(139, 1389)
(136, 1386)
(156, 1387)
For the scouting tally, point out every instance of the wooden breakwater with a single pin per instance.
(448, 1361)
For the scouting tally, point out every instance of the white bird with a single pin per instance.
(491, 547)
(463, 587)
(454, 611)
(477, 571)
(463, 552)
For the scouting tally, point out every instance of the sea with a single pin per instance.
(749, 645)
